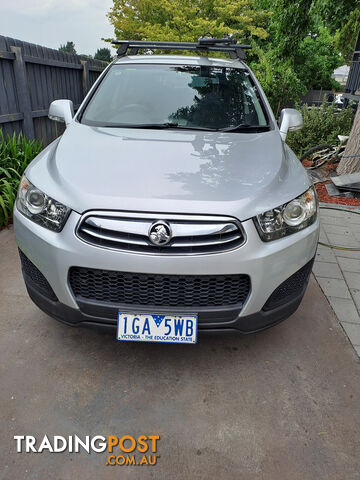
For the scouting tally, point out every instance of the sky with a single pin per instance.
(53, 22)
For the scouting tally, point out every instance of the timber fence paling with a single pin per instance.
(31, 77)
(352, 89)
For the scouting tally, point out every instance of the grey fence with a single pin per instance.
(316, 97)
(31, 77)
(352, 89)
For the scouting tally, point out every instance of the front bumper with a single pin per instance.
(245, 325)
(268, 265)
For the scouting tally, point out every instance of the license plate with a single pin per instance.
(144, 327)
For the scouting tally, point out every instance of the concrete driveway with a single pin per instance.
(282, 404)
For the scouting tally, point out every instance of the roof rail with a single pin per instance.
(204, 44)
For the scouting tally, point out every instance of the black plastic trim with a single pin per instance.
(99, 289)
(226, 44)
(245, 325)
(32, 274)
(290, 288)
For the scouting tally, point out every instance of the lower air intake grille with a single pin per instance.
(36, 277)
(291, 288)
(159, 290)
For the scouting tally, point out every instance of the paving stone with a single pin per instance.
(323, 237)
(349, 264)
(330, 207)
(341, 229)
(353, 221)
(337, 229)
(327, 270)
(357, 236)
(329, 212)
(341, 221)
(346, 253)
(352, 279)
(355, 293)
(325, 220)
(343, 240)
(354, 227)
(325, 254)
(351, 218)
(345, 309)
(333, 287)
(352, 331)
(357, 349)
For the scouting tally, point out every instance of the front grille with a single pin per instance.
(36, 277)
(189, 234)
(291, 288)
(159, 290)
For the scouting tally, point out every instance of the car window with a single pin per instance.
(193, 96)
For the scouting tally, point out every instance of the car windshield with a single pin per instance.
(205, 97)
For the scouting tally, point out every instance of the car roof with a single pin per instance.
(180, 60)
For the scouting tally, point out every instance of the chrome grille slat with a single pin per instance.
(118, 225)
(204, 243)
(191, 234)
(113, 238)
(141, 228)
(191, 230)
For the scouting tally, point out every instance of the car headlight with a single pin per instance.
(40, 208)
(288, 218)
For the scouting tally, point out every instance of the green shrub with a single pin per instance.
(277, 77)
(321, 125)
(16, 153)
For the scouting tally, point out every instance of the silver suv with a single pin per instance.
(171, 204)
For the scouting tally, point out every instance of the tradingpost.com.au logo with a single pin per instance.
(125, 450)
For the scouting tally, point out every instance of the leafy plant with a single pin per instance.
(277, 78)
(186, 20)
(316, 59)
(343, 20)
(68, 47)
(299, 54)
(322, 125)
(289, 24)
(103, 54)
(16, 153)
(296, 44)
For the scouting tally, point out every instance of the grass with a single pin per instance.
(16, 152)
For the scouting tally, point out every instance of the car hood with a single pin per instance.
(169, 171)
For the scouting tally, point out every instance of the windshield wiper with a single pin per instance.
(142, 125)
(205, 129)
(246, 127)
(157, 126)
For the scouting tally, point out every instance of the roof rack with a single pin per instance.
(205, 44)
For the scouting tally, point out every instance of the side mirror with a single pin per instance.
(61, 111)
(290, 120)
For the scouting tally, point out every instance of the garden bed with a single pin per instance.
(326, 198)
(327, 171)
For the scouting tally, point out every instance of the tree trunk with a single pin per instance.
(350, 163)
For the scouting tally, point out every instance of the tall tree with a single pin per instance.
(277, 77)
(316, 58)
(350, 163)
(69, 47)
(103, 54)
(298, 54)
(342, 18)
(293, 50)
(291, 22)
(186, 20)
